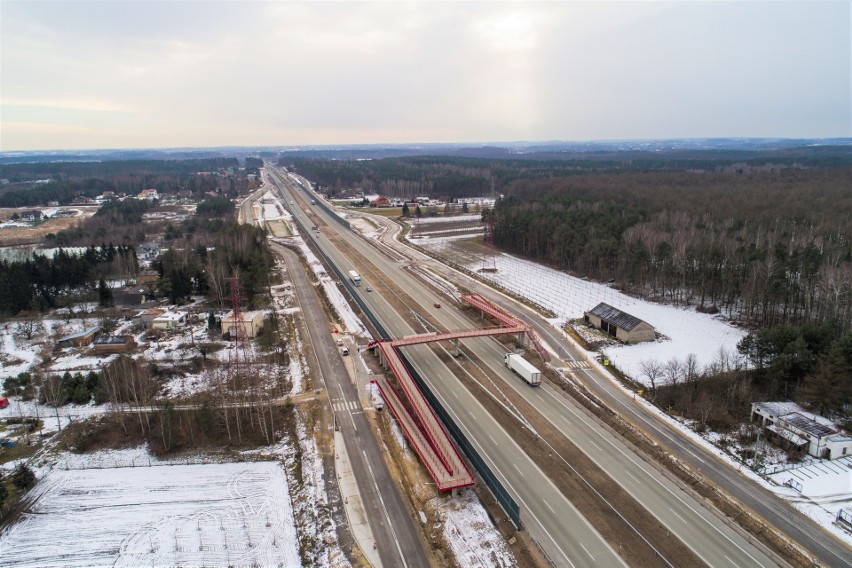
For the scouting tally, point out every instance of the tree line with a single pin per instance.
(204, 254)
(809, 363)
(69, 180)
(42, 282)
(768, 249)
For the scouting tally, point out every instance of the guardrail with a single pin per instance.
(507, 502)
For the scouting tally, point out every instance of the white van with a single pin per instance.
(344, 351)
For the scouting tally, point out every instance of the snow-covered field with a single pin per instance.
(471, 536)
(200, 515)
(686, 331)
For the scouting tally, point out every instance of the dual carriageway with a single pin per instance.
(561, 531)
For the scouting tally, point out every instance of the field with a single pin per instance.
(236, 514)
(684, 330)
(279, 229)
(19, 235)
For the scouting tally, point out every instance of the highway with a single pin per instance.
(563, 534)
(397, 537)
(797, 527)
(775, 511)
(704, 533)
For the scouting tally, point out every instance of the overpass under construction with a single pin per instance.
(424, 431)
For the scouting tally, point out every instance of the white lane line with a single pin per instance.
(595, 445)
(589, 553)
(382, 501)
(455, 394)
(678, 516)
(519, 470)
(633, 477)
(492, 439)
(546, 504)
(472, 416)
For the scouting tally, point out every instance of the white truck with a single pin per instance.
(354, 277)
(523, 367)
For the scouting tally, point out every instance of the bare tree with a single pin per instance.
(54, 395)
(653, 371)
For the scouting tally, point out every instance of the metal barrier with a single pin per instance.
(321, 202)
(507, 502)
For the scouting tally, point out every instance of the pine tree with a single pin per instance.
(105, 299)
(23, 477)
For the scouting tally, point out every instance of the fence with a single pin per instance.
(506, 501)
(494, 485)
(845, 516)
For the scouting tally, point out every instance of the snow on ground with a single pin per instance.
(470, 534)
(364, 227)
(823, 488)
(686, 330)
(201, 515)
(15, 359)
(53, 418)
(819, 478)
(341, 306)
(453, 219)
(76, 362)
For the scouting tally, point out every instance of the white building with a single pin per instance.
(169, 320)
(252, 322)
(801, 428)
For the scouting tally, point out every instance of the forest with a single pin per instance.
(189, 268)
(40, 283)
(765, 248)
(69, 180)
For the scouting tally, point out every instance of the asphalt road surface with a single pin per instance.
(774, 510)
(707, 535)
(396, 535)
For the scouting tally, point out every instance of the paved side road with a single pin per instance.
(397, 540)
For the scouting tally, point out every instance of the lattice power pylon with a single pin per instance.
(489, 255)
(241, 356)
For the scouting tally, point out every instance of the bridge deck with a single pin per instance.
(421, 426)
(453, 471)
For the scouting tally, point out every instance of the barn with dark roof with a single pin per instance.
(618, 324)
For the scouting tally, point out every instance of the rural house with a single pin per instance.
(380, 201)
(114, 344)
(618, 324)
(252, 322)
(149, 194)
(169, 320)
(149, 315)
(147, 251)
(31, 215)
(80, 338)
(799, 428)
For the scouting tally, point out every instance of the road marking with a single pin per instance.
(678, 516)
(382, 501)
(455, 394)
(546, 504)
(519, 470)
(729, 560)
(492, 439)
(472, 416)
(632, 476)
(595, 445)
(589, 553)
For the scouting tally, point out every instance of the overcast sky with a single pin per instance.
(165, 74)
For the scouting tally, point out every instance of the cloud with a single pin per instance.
(219, 73)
